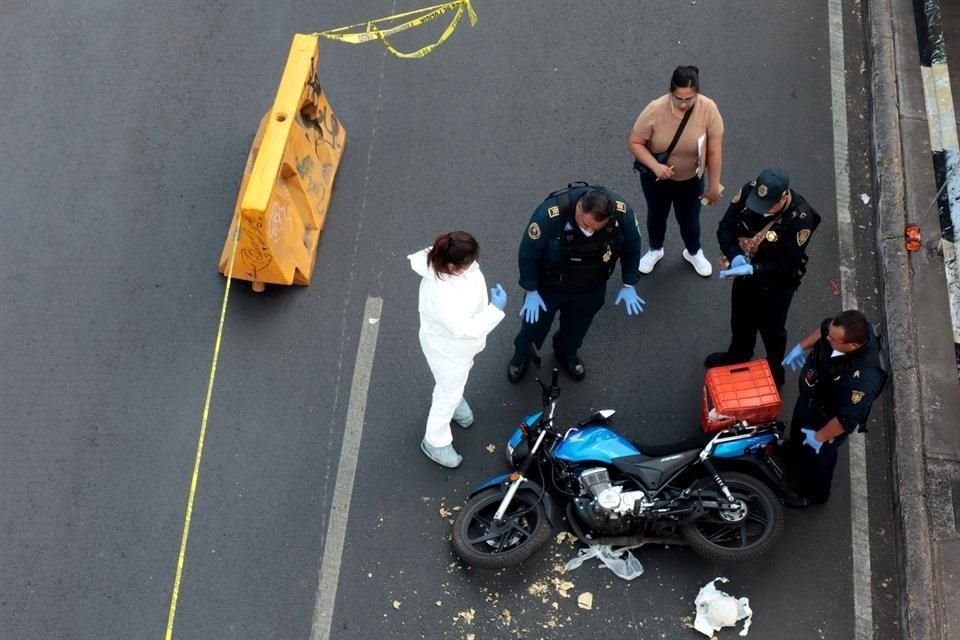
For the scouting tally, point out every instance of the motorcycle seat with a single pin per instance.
(653, 471)
(696, 441)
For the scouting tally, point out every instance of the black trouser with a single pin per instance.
(576, 313)
(757, 307)
(809, 471)
(684, 196)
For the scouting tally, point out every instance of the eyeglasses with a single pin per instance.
(689, 100)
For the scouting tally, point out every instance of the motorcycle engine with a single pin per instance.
(610, 501)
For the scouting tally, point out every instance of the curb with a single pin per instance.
(914, 552)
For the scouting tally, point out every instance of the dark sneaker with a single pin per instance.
(516, 370)
(574, 367)
(723, 359)
(795, 501)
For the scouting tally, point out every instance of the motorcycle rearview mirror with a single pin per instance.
(602, 416)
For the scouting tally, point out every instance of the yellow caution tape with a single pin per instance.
(182, 554)
(367, 31)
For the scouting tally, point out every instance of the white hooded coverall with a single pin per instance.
(455, 318)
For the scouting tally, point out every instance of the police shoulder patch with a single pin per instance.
(533, 231)
(856, 397)
(802, 236)
(621, 207)
(553, 211)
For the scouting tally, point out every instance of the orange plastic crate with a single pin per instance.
(739, 392)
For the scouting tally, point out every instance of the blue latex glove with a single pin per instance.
(795, 358)
(742, 270)
(632, 302)
(498, 297)
(810, 441)
(739, 261)
(532, 303)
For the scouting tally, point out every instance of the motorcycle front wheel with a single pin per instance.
(480, 542)
(742, 534)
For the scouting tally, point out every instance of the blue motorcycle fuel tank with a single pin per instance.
(593, 443)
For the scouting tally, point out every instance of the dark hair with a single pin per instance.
(855, 327)
(685, 77)
(453, 251)
(597, 203)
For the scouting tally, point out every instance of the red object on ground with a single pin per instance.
(739, 392)
(913, 240)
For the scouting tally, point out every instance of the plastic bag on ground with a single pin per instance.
(717, 609)
(623, 563)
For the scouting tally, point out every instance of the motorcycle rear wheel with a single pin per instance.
(726, 539)
(483, 544)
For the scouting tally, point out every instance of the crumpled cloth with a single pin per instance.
(717, 609)
(624, 566)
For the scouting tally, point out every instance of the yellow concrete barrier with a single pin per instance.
(288, 179)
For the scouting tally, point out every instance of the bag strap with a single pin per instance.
(769, 225)
(676, 136)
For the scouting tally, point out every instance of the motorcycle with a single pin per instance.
(712, 493)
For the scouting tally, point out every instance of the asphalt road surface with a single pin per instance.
(124, 132)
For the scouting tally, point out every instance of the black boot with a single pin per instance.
(516, 369)
(574, 367)
(725, 358)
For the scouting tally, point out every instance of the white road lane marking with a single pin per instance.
(346, 472)
(859, 514)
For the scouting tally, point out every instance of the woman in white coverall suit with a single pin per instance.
(455, 319)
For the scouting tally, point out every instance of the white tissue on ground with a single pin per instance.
(717, 609)
(864, 198)
(623, 563)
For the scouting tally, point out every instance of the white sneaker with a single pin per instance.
(650, 260)
(699, 262)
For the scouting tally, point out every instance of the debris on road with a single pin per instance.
(566, 535)
(585, 600)
(466, 616)
(627, 567)
(717, 609)
(563, 587)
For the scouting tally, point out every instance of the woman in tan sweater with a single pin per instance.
(678, 180)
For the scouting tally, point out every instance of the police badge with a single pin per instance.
(771, 236)
(856, 397)
(762, 191)
(534, 231)
(607, 255)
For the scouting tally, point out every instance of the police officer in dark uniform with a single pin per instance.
(764, 235)
(839, 381)
(568, 252)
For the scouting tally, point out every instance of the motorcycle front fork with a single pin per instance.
(517, 479)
